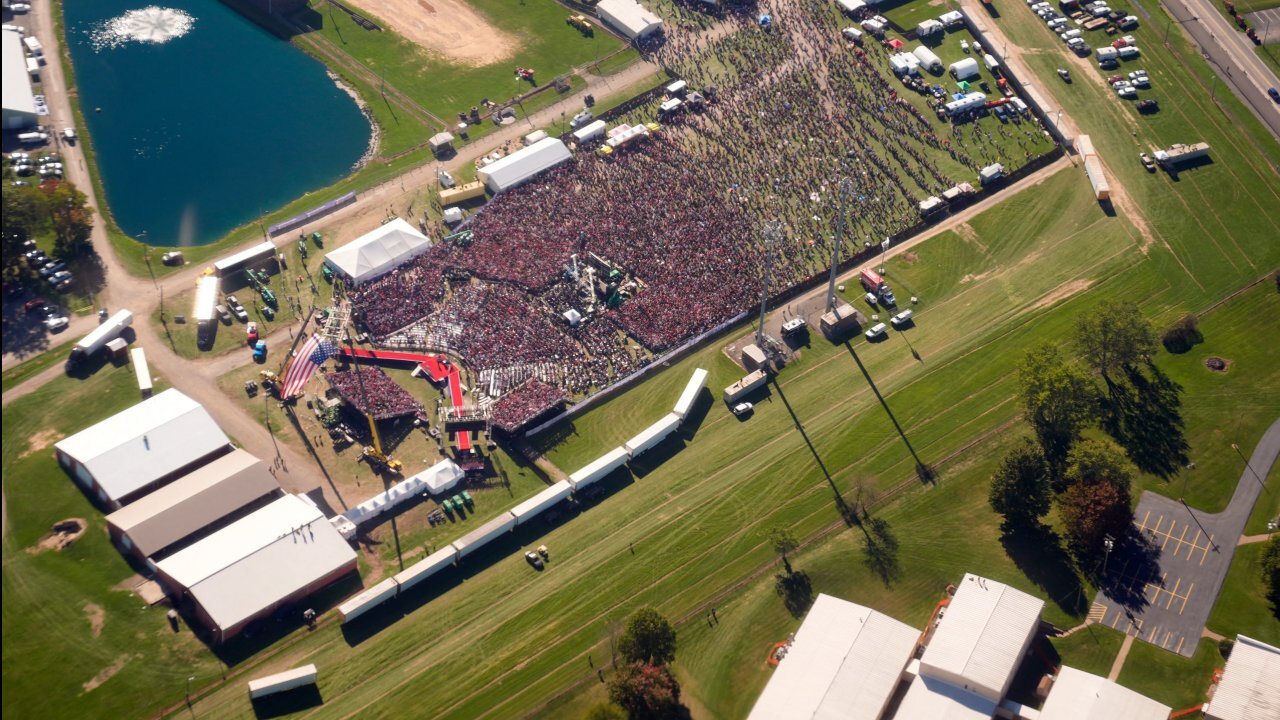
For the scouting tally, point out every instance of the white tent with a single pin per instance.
(629, 18)
(928, 59)
(851, 6)
(379, 252)
(522, 165)
(965, 69)
(19, 103)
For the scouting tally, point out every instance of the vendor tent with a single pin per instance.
(379, 252)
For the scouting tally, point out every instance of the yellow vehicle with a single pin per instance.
(582, 23)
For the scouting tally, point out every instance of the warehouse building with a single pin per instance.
(845, 663)
(136, 451)
(629, 18)
(523, 165)
(377, 253)
(1250, 684)
(244, 572)
(191, 503)
(1078, 695)
(19, 101)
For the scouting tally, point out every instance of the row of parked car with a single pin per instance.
(53, 271)
(1092, 16)
(46, 166)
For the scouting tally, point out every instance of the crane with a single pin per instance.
(374, 455)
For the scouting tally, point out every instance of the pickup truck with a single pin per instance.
(260, 351)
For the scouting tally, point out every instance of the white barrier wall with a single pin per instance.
(484, 534)
(426, 567)
(287, 680)
(368, 599)
(691, 390)
(598, 468)
(652, 435)
(540, 502)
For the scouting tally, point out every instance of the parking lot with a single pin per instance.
(1166, 602)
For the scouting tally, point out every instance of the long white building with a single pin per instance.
(523, 165)
(19, 102)
(629, 18)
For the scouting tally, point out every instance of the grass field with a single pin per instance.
(31, 366)
(1168, 678)
(1242, 607)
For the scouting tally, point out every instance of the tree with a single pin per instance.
(784, 541)
(72, 219)
(1117, 336)
(24, 217)
(1097, 500)
(1058, 399)
(1096, 461)
(647, 692)
(1020, 488)
(1271, 573)
(648, 638)
(605, 711)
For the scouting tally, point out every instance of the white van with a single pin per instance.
(876, 331)
(902, 318)
(1129, 52)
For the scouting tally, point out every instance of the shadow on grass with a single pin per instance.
(1143, 413)
(287, 703)
(1039, 553)
(924, 472)
(262, 634)
(847, 512)
(880, 549)
(796, 590)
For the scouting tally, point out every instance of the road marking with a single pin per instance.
(1186, 597)
(1167, 635)
(1195, 544)
(1098, 612)
(1173, 594)
(1181, 538)
(1180, 641)
(1143, 526)
(1205, 554)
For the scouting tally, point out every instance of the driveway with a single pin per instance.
(1161, 584)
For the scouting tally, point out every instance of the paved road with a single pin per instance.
(1163, 593)
(1231, 55)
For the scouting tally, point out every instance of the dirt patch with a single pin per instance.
(107, 673)
(969, 235)
(97, 617)
(1217, 364)
(910, 258)
(970, 277)
(39, 441)
(449, 28)
(1062, 292)
(62, 534)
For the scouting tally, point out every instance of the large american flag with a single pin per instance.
(308, 359)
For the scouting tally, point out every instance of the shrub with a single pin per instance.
(1184, 335)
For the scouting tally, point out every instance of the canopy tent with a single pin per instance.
(377, 253)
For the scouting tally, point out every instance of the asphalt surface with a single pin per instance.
(1231, 56)
(1162, 582)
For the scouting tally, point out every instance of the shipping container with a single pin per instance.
(280, 682)
(426, 567)
(531, 508)
(652, 435)
(484, 534)
(598, 468)
(748, 384)
(690, 394)
(368, 599)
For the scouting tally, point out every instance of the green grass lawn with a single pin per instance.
(52, 655)
(1092, 649)
(1242, 606)
(31, 366)
(1169, 678)
(1270, 53)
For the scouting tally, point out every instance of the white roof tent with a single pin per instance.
(851, 6)
(928, 59)
(1078, 695)
(844, 664)
(981, 639)
(965, 69)
(377, 253)
(191, 503)
(1250, 685)
(522, 165)
(19, 102)
(139, 449)
(629, 18)
(275, 555)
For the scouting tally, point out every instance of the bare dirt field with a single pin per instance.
(451, 28)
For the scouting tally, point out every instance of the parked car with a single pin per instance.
(173, 257)
(1127, 93)
(33, 304)
(872, 299)
(56, 323)
(251, 331)
(1274, 93)
(1115, 79)
(1147, 162)
(52, 268)
(742, 408)
(237, 309)
(1148, 106)
(533, 559)
(902, 319)
(260, 351)
(581, 119)
(59, 276)
(1065, 75)
(876, 331)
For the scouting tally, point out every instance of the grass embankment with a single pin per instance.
(76, 642)
(17, 374)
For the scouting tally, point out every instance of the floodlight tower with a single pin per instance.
(772, 233)
(835, 246)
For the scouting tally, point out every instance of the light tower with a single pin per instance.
(772, 233)
(835, 245)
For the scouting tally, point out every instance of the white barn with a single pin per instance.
(629, 18)
(844, 664)
(523, 165)
(377, 253)
(142, 448)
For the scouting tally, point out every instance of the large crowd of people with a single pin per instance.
(528, 401)
(372, 392)
(804, 130)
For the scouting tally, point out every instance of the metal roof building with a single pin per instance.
(19, 102)
(275, 555)
(142, 448)
(844, 664)
(522, 165)
(982, 637)
(1250, 685)
(1078, 695)
(934, 699)
(191, 503)
(377, 253)
(629, 18)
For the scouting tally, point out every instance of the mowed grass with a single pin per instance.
(1242, 606)
(1169, 678)
(53, 658)
(444, 87)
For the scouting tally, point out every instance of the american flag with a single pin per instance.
(309, 357)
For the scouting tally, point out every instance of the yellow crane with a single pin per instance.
(375, 453)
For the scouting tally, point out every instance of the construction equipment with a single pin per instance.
(581, 23)
(378, 460)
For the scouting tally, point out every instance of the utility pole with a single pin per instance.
(772, 232)
(835, 245)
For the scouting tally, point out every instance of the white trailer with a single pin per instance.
(652, 435)
(33, 45)
(426, 567)
(691, 390)
(138, 357)
(527, 510)
(96, 340)
(598, 468)
(484, 534)
(1097, 178)
(747, 384)
(368, 599)
(260, 253)
(990, 173)
(206, 299)
(280, 682)
(589, 132)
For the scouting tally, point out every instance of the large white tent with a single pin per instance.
(522, 165)
(379, 252)
(19, 103)
(629, 18)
